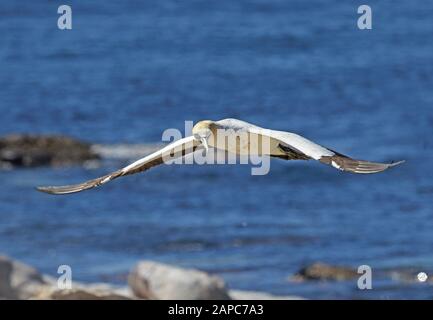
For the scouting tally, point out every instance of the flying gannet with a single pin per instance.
(280, 144)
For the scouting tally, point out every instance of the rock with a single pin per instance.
(255, 295)
(152, 280)
(19, 281)
(84, 292)
(322, 271)
(6, 290)
(21, 150)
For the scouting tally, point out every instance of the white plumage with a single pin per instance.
(280, 144)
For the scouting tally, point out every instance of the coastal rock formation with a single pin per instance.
(83, 292)
(18, 280)
(21, 150)
(154, 280)
(6, 290)
(147, 280)
(322, 271)
(255, 295)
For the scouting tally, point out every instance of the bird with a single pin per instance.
(206, 133)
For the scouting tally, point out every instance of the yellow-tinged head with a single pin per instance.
(203, 130)
(202, 125)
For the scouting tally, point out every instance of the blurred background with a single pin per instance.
(128, 70)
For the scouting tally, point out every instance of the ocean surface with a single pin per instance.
(128, 70)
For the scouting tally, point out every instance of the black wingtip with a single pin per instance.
(396, 163)
(59, 190)
(45, 190)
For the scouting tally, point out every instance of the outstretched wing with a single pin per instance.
(172, 151)
(291, 146)
(345, 163)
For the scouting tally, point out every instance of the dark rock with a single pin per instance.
(322, 271)
(21, 150)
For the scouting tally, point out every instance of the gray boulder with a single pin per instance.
(24, 150)
(152, 280)
(6, 290)
(18, 280)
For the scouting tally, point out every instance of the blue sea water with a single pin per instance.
(128, 70)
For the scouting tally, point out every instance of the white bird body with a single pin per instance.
(241, 138)
(259, 134)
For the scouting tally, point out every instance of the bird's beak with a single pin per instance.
(203, 139)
